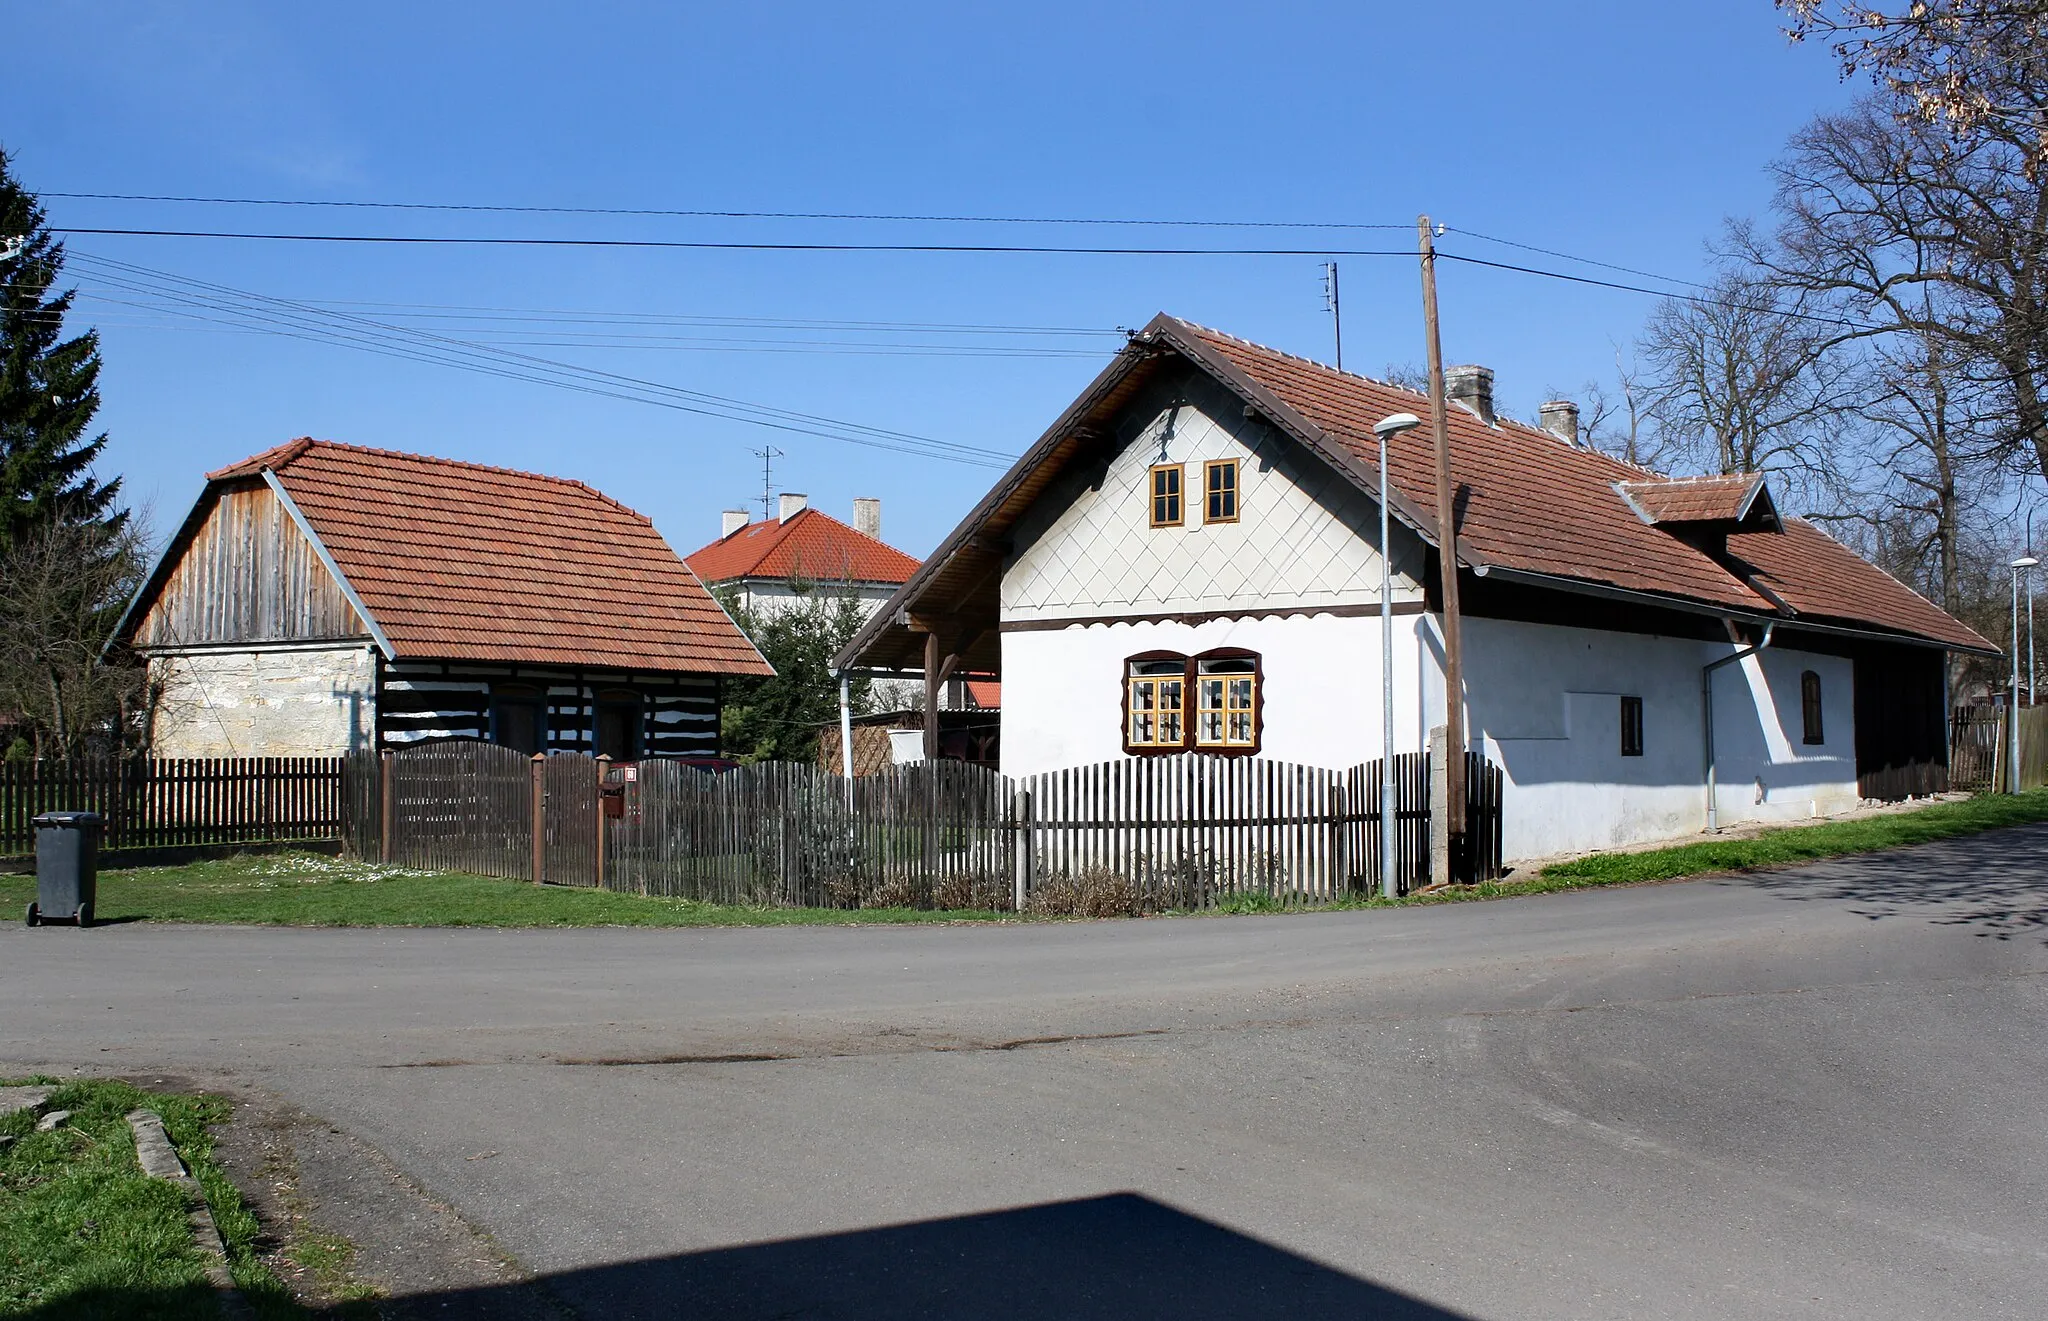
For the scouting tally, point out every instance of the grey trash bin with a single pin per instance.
(67, 867)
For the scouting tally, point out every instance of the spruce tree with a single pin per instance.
(49, 385)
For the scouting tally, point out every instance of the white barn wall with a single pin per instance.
(281, 700)
(1063, 688)
(1546, 701)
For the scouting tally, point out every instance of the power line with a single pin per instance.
(710, 246)
(281, 316)
(1700, 299)
(730, 215)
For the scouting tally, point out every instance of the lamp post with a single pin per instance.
(1385, 430)
(2012, 718)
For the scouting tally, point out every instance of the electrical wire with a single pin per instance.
(293, 320)
(465, 240)
(730, 215)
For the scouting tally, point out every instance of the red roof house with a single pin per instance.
(770, 562)
(321, 597)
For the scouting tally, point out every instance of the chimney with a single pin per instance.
(1560, 417)
(1472, 387)
(734, 520)
(867, 516)
(793, 504)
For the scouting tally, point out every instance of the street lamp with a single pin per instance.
(1385, 430)
(2012, 719)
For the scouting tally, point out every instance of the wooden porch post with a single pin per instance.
(931, 697)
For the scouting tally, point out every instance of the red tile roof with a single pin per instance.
(457, 561)
(1534, 502)
(986, 694)
(808, 544)
(1719, 499)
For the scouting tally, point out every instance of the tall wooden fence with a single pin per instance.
(163, 802)
(453, 806)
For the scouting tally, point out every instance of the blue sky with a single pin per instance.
(1619, 131)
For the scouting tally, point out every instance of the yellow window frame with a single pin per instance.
(1157, 711)
(1219, 491)
(1167, 486)
(1227, 710)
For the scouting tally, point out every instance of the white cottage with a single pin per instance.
(1189, 561)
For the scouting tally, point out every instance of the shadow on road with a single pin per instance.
(1995, 884)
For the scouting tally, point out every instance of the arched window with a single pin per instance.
(1208, 703)
(1809, 708)
(1155, 702)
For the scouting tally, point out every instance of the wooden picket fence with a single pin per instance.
(169, 803)
(1186, 831)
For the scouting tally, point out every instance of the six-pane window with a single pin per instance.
(1166, 493)
(1631, 726)
(1158, 703)
(1220, 477)
(1809, 707)
(1226, 702)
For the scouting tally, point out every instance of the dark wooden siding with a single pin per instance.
(247, 575)
(1901, 723)
(420, 700)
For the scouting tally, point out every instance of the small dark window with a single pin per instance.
(1809, 707)
(1166, 492)
(518, 719)
(1220, 479)
(618, 725)
(1631, 726)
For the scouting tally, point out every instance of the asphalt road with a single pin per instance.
(1810, 1094)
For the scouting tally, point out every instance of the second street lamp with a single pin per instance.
(2012, 704)
(1385, 430)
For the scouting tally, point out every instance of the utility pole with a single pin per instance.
(1447, 554)
(1334, 306)
(768, 456)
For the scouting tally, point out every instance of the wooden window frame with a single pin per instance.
(1190, 704)
(1631, 726)
(1179, 496)
(619, 699)
(1812, 715)
(1210, 493)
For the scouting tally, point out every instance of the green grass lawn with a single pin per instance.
(302, 889)
(85, 1234)
(296, 889)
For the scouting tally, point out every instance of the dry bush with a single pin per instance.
(1095, 892)
(979, 890)
(893, 892)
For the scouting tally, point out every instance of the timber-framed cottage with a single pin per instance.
(323, 598)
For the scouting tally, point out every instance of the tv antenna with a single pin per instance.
(768, 455)
(1334, 306)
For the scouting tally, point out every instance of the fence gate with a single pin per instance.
(459, 806)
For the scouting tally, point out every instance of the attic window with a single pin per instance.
(1166, 495)
(1219, 479)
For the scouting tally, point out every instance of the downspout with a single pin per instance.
(1707, 709)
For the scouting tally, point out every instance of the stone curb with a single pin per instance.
(159, 1160)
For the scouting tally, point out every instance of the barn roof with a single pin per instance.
(1533, 508)
(807, 544)
(459, 561)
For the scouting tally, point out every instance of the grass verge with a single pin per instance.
(303, 889)
(85, 1234)
(299, 889)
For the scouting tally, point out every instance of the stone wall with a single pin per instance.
(282, 701)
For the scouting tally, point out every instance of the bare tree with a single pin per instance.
(62, 586)
(1615, 418)
(1905, 229)
(1745, 378)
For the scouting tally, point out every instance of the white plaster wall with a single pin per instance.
(284, 701)
(1546, 700)
(1304, 535)
(1063, 688)
(770, 594)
